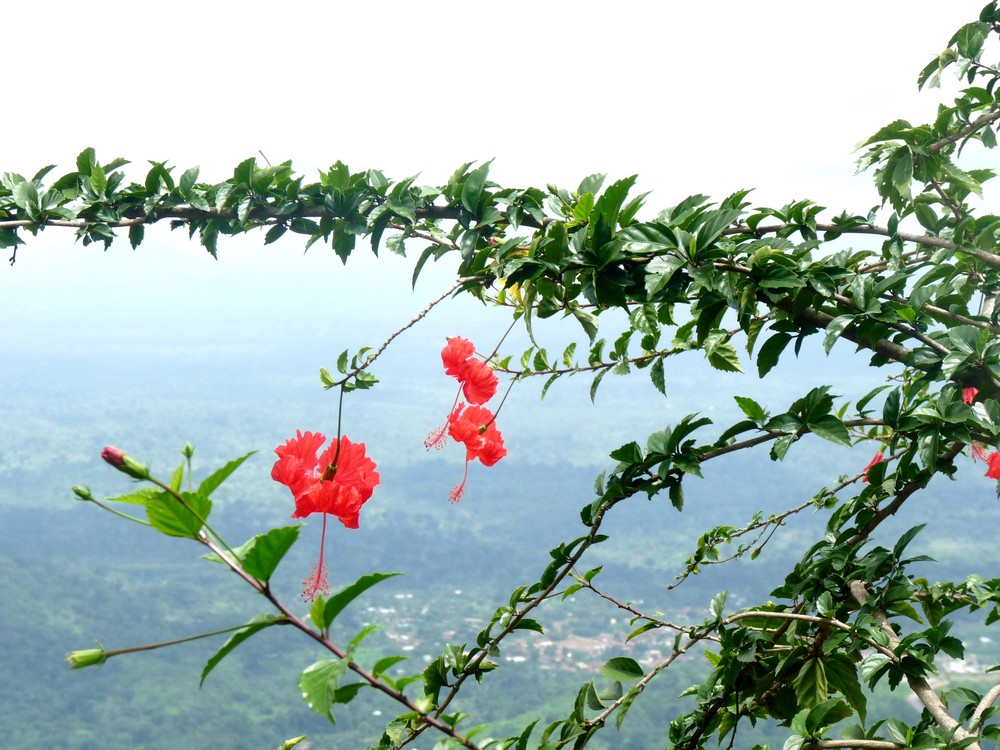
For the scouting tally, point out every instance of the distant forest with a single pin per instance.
(71, 575)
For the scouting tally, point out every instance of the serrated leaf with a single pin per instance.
(751, 408)
(718, 605)
(139, 497)
(254, 626)
(842, 675)
(810, 683)
(658, 376)
(211, 483)
(318, 685)
(586, 319)
(169, 516)
(261, 554)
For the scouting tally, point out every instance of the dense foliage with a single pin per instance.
(702, 278)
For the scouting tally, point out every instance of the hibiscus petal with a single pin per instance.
(479, 382)
(456, 354)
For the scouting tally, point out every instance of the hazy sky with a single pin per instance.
(694, 97)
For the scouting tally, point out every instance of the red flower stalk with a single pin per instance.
(993, 465)
(475, 427)
(876, 459)
(978, 453)
(969, 394)
(336, 482)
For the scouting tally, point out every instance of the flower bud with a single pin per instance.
(82, 492)
(87, 658)
(124, 463)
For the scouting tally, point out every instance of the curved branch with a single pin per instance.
(987, 701)
(918, 685)
(971, 128)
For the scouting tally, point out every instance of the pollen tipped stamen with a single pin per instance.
(316, 583)
(458, 490)
(437, 439)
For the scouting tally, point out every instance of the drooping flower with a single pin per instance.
(475, 427)
(336, 482)
(993, 465)
(455, 355)
(969, 394)
(876, 459)
(479, 382)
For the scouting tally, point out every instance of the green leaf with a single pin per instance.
(139, 497)
(472, 190)
(768, 355)
(656, 375)
(751, 408)
(832, 429)
(25, 196)
(98, 180)
(9, 238)
(629, 453)
(171, 517)
(842, 675)
(622, 669)
(610, 202)
(586, 319)
(336, 603)
(188, 180)
(897, 550)
(254, 626)
(834, 329)
(386, 663)
(626, 704)
(528, 624)
(319, 682)
(212, 482)
(718, 604)
(810, 683)
(274, 233)
(724, 357)
(262, 553)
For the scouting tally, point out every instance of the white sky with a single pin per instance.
(694, 97)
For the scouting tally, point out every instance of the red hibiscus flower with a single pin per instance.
(969, 394)
(336, 482)
(993, 465)
(456, 354)
(479, 382)
(876, 459)
(475, 427)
